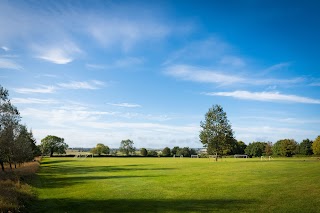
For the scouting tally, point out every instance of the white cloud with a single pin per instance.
(33, 101)
(61, 53)
(6, 63)
(266, 96)
(42, 89)
(198, 74)
(128, 105)
(94, 84)
(5, 48)
(108, 30)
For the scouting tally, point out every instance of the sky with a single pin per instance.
(105, 71)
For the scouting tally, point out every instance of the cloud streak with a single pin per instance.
(266, 96)
(42, 90)
(91, 85)
(6, 63)
(127, 105)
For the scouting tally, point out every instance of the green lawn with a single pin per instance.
(177, 185)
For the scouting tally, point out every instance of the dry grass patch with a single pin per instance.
(15, 193)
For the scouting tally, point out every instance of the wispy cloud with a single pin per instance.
(128, 105)
(124, 32)
(197, 74)
(5, 48)
(94, 84)
(6, 63)
(33, 101)
(62, 53)
(119, 63)
(42, 89)
(266, 96)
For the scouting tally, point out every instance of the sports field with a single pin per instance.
(177, 185)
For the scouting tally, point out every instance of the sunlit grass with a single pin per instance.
(177, 185)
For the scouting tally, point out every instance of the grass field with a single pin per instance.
(177, 185)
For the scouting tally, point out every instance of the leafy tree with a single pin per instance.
(166, 152)
(256, 149)
(216, 133)
(238, 147)
(152, 153)
(144, 152)
(268, 149)
(9, 120)
(186, 152)
(51, 144)
(285, 147)
(100, 149)
(316, 146)
(305, 147)
(126, 147)
(174, 150)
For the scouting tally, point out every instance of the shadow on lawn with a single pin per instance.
(48, 181)
(140, 205)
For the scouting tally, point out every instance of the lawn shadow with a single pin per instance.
(51, 181)
(141, 205)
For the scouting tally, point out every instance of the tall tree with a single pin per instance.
(256, 149)
(216, 133)
(9, 120)
(166, 152)
(285, 147)
(305, 147)
(51, 144)
(316, 146)
(126, 147)
(100, 149)
(143, 152)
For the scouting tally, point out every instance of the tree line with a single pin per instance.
(217, 136)
(17, 144)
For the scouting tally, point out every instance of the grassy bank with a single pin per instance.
(177, 185)
(15, 193)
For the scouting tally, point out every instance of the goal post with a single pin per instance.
(194, 156)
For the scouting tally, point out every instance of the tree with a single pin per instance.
(174, 150)
(216, 133)
(166, 152)
(285, 147)
(152, 153)
(305, 147)
(268, 149)
(51, 144)
(100, 149)
(9, 120)
(238, 147)
(126, 147)
(256, 149)
(316, 146)
(144, 152)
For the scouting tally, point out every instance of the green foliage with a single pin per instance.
(216, 133)
(174, 150)
(100, 149)
(285, 147)
(305, 147)
(316, 146)
(256, 149)
(126, 147)
(17, 145)
(268, 149)
(53, 144)
(143, 152)
(238, 147)
(166, 152)
(152, 153)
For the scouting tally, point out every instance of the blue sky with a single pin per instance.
(103, 71)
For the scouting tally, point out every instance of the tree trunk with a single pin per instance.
(51, 153)
(2, 166)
